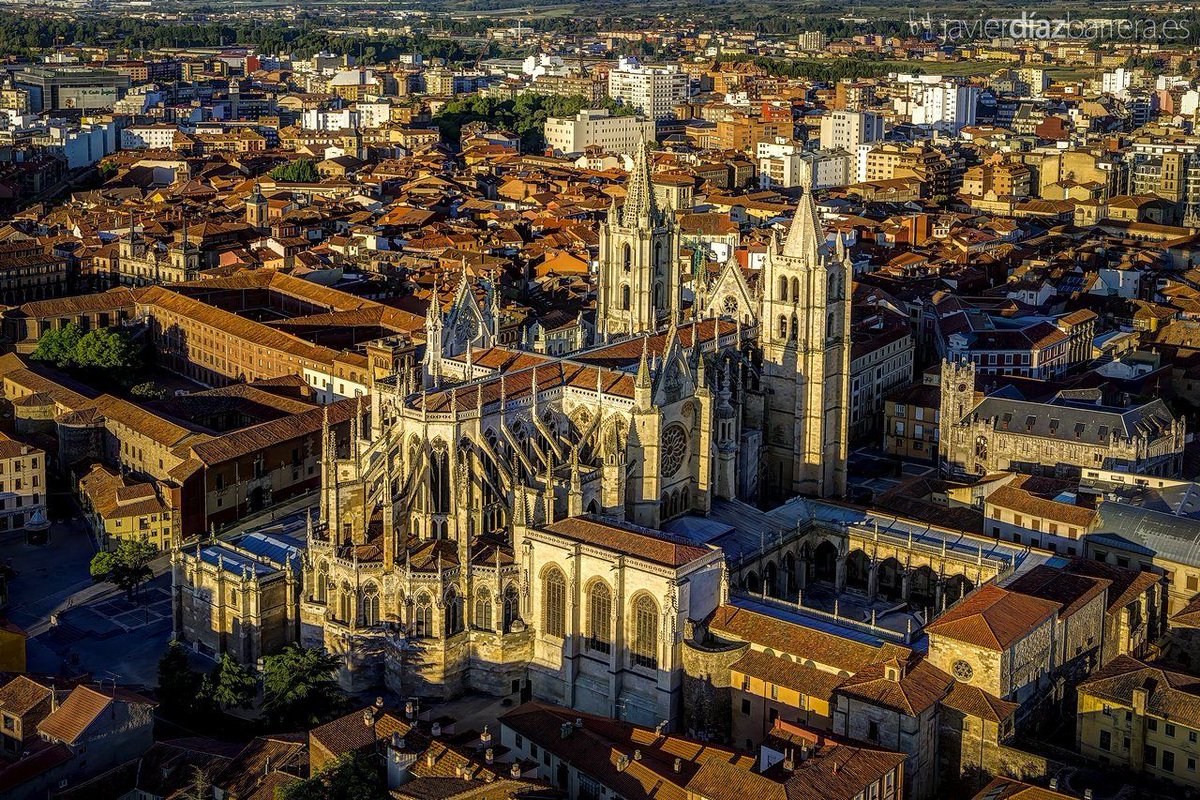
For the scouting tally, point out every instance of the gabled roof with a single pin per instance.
(69, 721)
(1172, 695)
(22, 694)
(993, 618)
(918, 687)
(975, 702)
(624, 537)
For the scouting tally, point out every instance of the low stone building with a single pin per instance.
(747, 666)
(1071, 433)
(241, 599)
(122, 509)
(895, 705)
(1142, 718)
(22, 483)
(999, 641)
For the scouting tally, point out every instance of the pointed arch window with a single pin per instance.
(483, 610)
(554, 603)
(795, 290)
(423, 617)
(454, 617)
(344, 603)
(783, 289)
(512, 608)
(439, 479)
(322, 583)
(626, 257)
(625, 297)
(370, 605)
(645, 633)
(600, 618)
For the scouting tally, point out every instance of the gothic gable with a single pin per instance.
(730, 295)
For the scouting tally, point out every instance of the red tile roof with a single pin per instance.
(623, 537)
(993, 618)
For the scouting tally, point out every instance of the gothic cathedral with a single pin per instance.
(458, 500)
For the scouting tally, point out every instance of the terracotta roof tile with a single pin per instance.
(20, 695)
(993, 618)
(788, 637)
(976, 702)
(656, 546)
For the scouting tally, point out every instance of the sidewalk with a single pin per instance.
(90, 592)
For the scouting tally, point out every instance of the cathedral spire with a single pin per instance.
(643, 374)
(805, 236)
(640, 207)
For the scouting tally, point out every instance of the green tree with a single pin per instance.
(298, 687)
(230, 685)
(106, 350)
(354, 776)
(148, 390)
(178, 684)
(127, 567)
(199, 787)
(59, 346)
(300, 171)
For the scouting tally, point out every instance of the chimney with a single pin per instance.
(485, 738)
(267, 766)
(379, 703)
(436, 729)
(430, 759)
(678, 764)
(516, 770)
(637, 755)
(489, 756)
(368, 717)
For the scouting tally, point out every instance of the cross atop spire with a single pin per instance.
(640, 206)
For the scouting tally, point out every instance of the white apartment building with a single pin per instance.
(540, 65)
(846, 130)
(813, 41)
(596, 127)
(653, 91)
(1117, 82)
(148, 137)
(333, 120)
(942, 104)
(783, 164)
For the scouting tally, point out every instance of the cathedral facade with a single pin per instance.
(492, 521)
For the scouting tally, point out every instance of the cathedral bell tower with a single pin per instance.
(185, 257)
(804, 333)
(639, 281)
(256, 210)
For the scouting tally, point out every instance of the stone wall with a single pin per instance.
(707, 693)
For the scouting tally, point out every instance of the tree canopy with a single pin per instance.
(178, 684)
(103, 350)
(59, 346)
(354, 776)
(127, 567)
(525, 116)
(299, 688)
(230, 685)
(299, 171)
